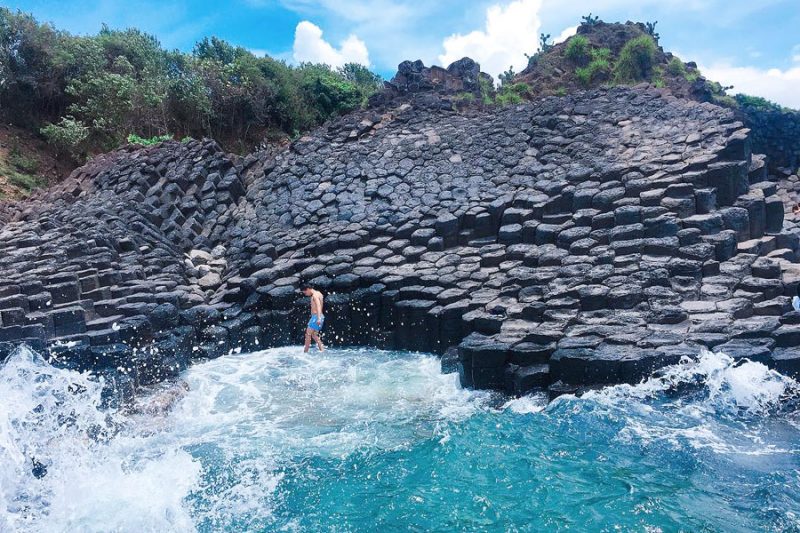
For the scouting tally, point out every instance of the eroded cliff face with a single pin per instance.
(572, 241)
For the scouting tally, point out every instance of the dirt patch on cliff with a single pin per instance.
(27, 163)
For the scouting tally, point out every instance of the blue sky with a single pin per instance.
(751, 44)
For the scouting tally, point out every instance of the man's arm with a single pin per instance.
(319, 307)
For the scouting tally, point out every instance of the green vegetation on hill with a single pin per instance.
(603, 53)
(87, 94)
(599, 66)
(758, 103)
(20, 171)
(511, 93)
(578, 50)
(636, 60)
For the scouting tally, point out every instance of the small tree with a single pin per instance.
(367, 82)
(68, 137)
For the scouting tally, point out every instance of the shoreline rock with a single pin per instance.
(570, 242)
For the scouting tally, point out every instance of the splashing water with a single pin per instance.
(358, 440)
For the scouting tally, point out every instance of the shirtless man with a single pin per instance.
(317, 319)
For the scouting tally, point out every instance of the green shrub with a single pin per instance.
(577, 49)
(658, 78)
(23, 180)
(635, 62)
(584, 75)
(600, 65)
(519, 88)
(23, 163)
(512, 94)
(676, 67)
(90, 91)
(367, 82)
(757, 102)
(561, 91)
(509, 98)
(725, 100)
(68, 137)
(601, 54)
(330, 93)
(150, 141)
(27, 182)
(486, 90)
(464, 97)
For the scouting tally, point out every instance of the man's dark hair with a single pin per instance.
(304, 286)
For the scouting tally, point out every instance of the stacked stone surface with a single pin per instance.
(775, 133)
(569, 242)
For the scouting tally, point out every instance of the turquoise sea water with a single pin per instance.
(365, 440)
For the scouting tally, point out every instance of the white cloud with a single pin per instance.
(566, 34)
(510, 32)
(395, 30)
(311, 47)
(773, 84)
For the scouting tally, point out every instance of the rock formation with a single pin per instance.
(567, 242)
(463, 75)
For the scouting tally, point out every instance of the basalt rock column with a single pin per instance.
(568, 242)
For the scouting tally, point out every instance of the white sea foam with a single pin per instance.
(528, 404)
(96, 477)
(727, 385)
(215, 452)
(704, 402)
(151, 471)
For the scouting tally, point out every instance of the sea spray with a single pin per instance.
(716, 381)
(366, 439)
(712, 402)
(215, 457)
(66, 463)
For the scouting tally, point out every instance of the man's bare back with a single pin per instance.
(317, 320)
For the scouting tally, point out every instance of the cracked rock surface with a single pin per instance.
(569, 242)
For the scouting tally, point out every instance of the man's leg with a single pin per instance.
(315, 336)
(309, 333)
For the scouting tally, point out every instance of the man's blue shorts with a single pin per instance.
(315, 324)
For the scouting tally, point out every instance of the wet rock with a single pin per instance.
(521, 380)
(530, 235)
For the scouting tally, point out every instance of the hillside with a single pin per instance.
(604, 53)
(27, 163)
(564, 242)
(67, 98)
(88, 94)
